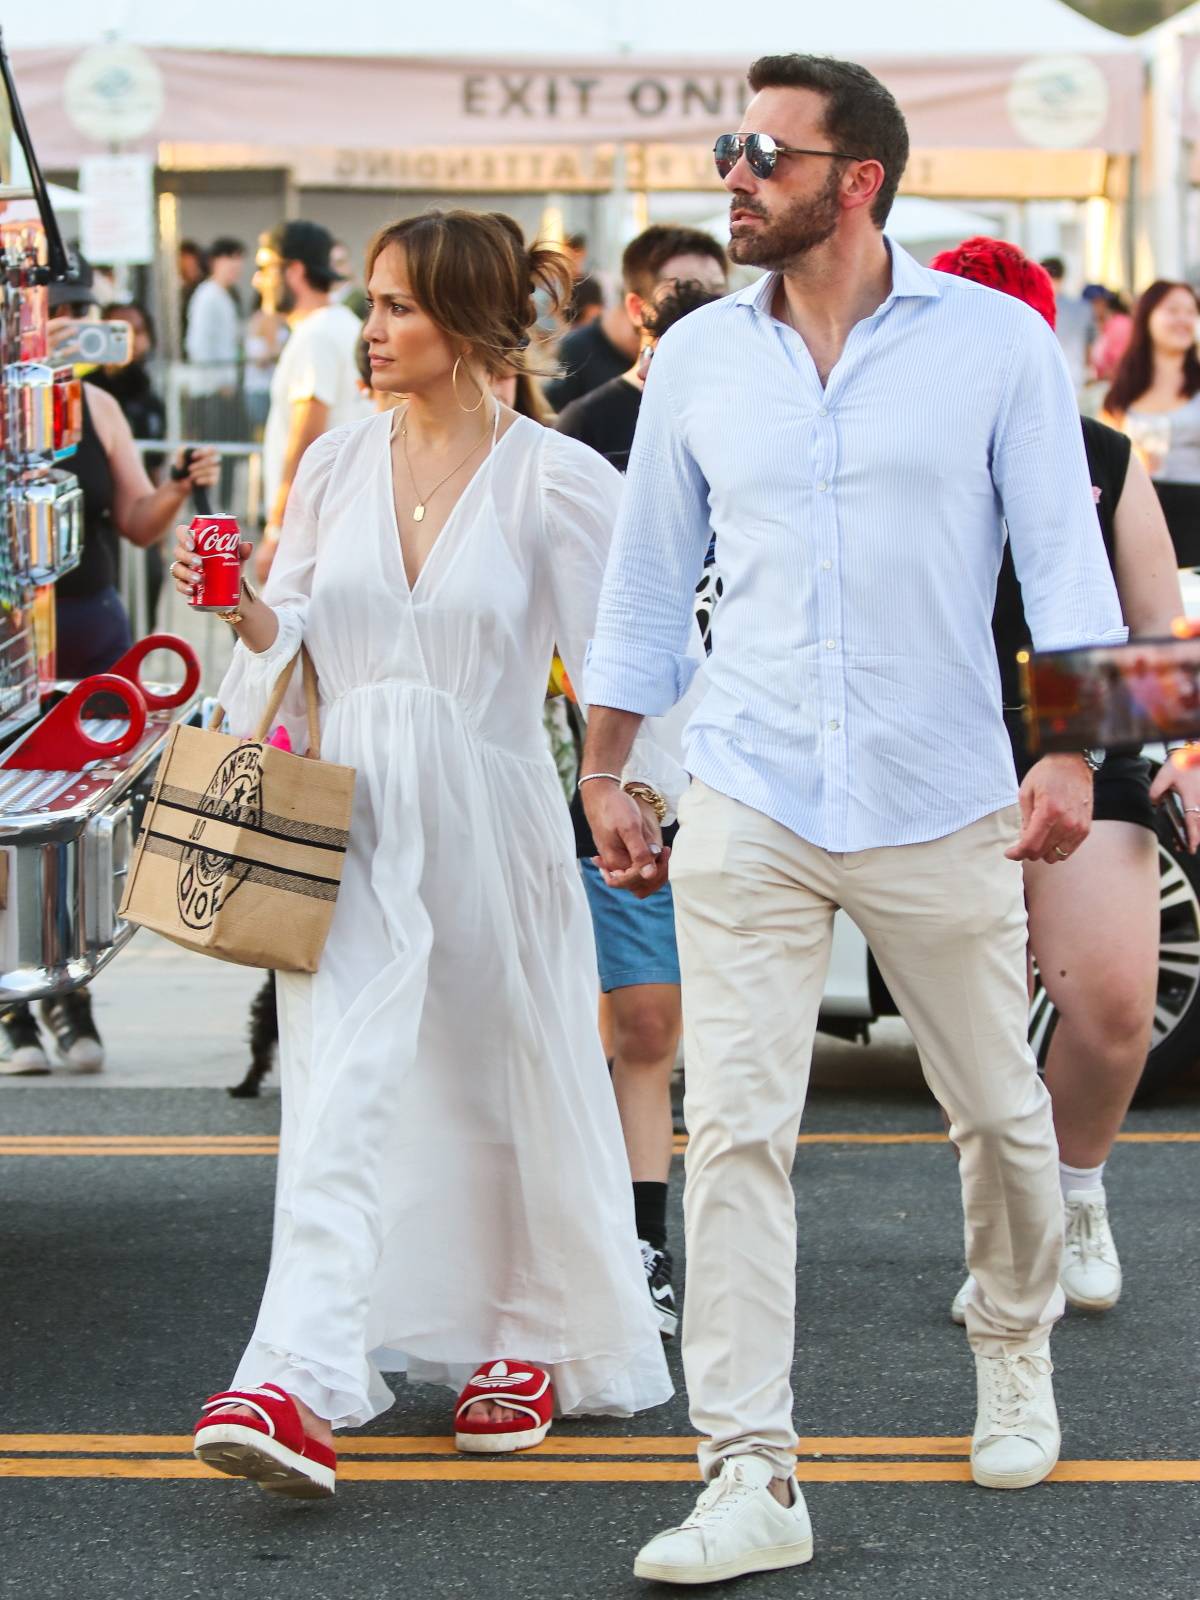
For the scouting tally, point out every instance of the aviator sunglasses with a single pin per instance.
(762, 153)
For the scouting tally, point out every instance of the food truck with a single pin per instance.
(77, 760)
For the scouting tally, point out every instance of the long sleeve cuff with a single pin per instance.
(640, 678)
(247, 686)
(1068, 641)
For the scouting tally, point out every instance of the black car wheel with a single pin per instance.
(1175, 1039)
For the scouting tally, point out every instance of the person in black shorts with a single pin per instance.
(641, 1015)
(1093, 920)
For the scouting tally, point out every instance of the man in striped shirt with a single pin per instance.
(859, 432)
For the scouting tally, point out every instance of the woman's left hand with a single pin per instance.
(1185, 780)
(204, 471)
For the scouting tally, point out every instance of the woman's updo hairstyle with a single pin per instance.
(472, 273)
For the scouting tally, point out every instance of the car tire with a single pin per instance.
(1175, 1039)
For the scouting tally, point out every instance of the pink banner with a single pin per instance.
(1041, 102)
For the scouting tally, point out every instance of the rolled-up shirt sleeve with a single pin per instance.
(1039, 467)
(640, 656)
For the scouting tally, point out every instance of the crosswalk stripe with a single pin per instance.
(564, 1444)
(531, 1470)
(137, 1145)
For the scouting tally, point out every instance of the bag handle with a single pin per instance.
(282, 684)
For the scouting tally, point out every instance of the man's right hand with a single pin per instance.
(628, 837)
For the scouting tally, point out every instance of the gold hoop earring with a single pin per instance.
(454, 386)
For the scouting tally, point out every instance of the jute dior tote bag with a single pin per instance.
(241, 850)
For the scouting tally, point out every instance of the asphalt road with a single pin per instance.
(129, 1276)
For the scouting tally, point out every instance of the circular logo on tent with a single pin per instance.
(1059, 102)
(114, 92)
(208, 878)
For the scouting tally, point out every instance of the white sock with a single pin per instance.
(1075, 1178)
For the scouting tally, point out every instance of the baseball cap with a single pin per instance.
(1094, 291)
(306, 242)
(78, 289)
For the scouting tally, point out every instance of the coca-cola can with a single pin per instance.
(216, 539)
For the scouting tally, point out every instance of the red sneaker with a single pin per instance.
(271, 1447)
(518, 1385)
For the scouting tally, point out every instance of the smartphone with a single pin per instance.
(1114, 697)
(94, 344)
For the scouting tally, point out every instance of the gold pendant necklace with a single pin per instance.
(418, 511)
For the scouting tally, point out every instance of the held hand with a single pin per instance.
(1056, 810)
(204, 470)
(185, 568)
(632, 855)
(1185, 781)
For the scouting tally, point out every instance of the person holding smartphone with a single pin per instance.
(1094, 920)
(119, 502)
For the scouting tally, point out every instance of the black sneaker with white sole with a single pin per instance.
(69, 1019)
(25, 1058)
(658, 1266)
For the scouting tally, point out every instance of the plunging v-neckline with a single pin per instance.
(498, 439)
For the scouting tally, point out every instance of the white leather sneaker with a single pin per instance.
(1091, 1272)
(738, 1526)
(1017, 1437)
(958, 1306)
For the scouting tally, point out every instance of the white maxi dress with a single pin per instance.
(453, 1185)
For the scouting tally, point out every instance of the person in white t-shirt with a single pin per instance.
(315, 386)
(214, 328)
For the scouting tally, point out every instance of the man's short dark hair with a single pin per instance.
(648, 254)
(675, 303)
(225, 246)
(861, 116)
(1055, 267)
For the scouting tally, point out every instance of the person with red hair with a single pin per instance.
(1093, 920)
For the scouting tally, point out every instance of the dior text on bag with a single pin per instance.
(241, 851)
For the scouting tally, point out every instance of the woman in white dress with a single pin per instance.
(453, 1188)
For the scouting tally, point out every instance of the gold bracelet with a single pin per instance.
(643, 791)
(234, 617)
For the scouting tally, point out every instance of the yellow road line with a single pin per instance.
(530, 1470)
(131, 1145)
(443, 1445)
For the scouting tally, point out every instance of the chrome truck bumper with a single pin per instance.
(65, 844)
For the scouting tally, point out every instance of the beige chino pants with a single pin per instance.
(754, 908)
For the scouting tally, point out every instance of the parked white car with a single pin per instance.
(856, 995)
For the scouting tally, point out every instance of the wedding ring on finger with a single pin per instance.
(1062, 854)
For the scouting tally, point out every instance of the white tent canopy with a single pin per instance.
(527, 29)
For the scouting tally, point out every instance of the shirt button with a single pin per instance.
(823, 412)
(822, 486)
(827, 566)
(834, 726)
(831, 644)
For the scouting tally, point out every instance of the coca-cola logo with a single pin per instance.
(216, 539)
(206, 878)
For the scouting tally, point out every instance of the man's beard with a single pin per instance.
(798, 230)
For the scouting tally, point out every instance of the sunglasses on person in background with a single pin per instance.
(762, 153)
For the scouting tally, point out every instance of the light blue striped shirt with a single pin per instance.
(853, 691)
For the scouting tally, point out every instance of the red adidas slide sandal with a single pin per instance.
(271, 1447)
(517, 1385)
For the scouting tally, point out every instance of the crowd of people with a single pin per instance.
(786, 543)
